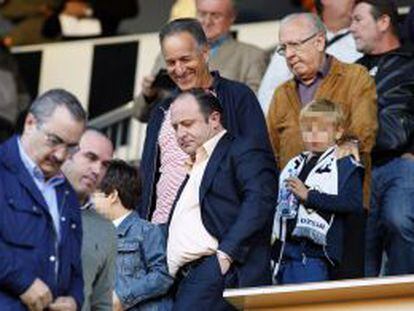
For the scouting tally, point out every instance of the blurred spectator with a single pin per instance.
(14, 98)
(336, 15)
(142, 277)
(88, 18)
(317, 190)
(391, 218)
(27, 18)
(183, 8)
(85, 170)
(185, 49)
(234, 60)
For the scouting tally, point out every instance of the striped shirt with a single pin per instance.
(172, 171)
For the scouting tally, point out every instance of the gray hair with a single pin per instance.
(188, 25)
(314, 20)
(43, 107)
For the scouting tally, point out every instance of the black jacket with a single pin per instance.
(394, 76)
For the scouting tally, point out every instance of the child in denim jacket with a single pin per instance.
(316, 190)
(142, 277)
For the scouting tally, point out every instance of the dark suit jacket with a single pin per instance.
(238, 193)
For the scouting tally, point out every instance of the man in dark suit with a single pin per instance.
(219, 231)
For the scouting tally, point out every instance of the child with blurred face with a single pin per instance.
(316, 190)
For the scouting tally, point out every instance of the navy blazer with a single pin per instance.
(28, 243)
(238, 193)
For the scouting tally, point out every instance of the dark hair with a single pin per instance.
(180, 25)
(125, 179)
(207, 100)
(43, 107)
(383, 7)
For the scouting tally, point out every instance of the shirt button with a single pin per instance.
(73, 226)
(34, 208)
(63, 218)
(52, 258)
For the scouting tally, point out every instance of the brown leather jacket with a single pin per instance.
(346, 84)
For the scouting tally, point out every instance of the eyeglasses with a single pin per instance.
(214, 16)
(55, 142)
(296, 46)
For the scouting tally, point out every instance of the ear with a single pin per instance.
(384, 23)
(215, 119)
(339, 132)
(320, 42)
(205, 52)
(113, 197)
(29, 123)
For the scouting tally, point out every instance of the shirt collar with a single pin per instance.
(88, 204)
(210, 144)
(119, 220)
(217, 43)
(35, 170)
(205, 151)
(322, 71)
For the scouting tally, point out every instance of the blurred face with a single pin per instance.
(364, 28)
(302, 47)
(341, 7)
(86, 168)
(216, 17)
(191, 127)
(319, 132)
(49, 143)
(186, 62)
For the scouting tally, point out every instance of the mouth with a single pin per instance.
(90, 181)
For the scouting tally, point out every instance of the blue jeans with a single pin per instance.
(390, 225)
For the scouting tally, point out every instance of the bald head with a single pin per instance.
(86, 168)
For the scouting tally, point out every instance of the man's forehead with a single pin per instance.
(295, 29)
(184, 105)
(96, 143)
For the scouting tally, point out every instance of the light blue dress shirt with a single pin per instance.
(46, 187)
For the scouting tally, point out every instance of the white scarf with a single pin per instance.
(323, 178)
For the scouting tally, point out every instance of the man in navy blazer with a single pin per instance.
(219, 231)
(40, 224)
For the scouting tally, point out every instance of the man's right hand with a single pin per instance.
(147, 89)
(37, 297)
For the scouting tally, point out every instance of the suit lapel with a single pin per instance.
(214, 163)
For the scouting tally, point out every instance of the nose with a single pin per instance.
(289, 52)
(61, 154)
(179, 69)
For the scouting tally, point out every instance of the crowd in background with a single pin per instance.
(255, 171)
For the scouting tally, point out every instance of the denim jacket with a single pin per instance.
(142, 276)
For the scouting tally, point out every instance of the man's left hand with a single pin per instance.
(65, 303)
(348, 148)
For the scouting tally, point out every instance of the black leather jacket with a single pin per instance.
(394, 76)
